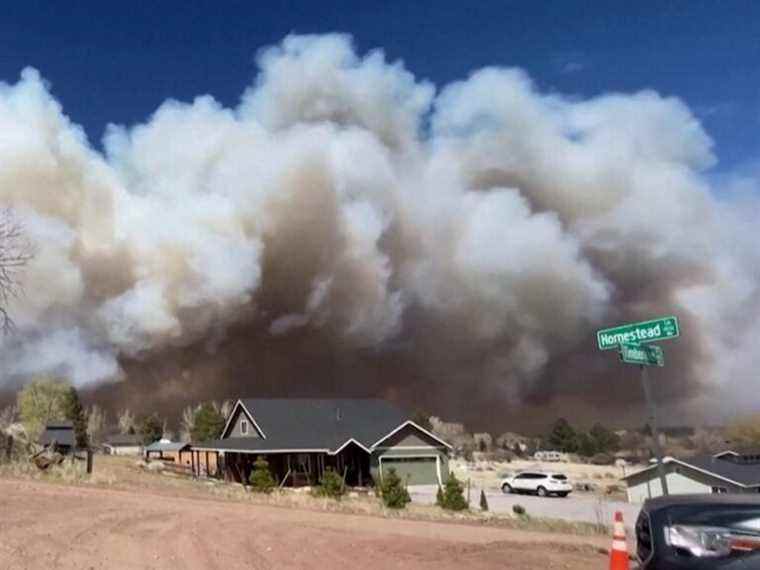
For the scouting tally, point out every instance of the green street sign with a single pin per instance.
(648, 355)
(638, 333)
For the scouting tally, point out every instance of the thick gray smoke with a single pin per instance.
(350, 229)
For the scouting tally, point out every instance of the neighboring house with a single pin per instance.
(361, 439)
(60, 435)
(123, 444)
(725, 472)
(549, 456)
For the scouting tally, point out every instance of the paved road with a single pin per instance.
(578, 507)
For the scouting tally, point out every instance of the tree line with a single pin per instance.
(46, 400)
(567, 439)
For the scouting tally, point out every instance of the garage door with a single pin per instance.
(415, 470)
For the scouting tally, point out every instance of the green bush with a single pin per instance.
(483, 501)
(393, 491)
(330, 485)
(261, 479)
(519, 510)
(453, 496)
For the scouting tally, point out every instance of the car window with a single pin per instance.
(559, 477)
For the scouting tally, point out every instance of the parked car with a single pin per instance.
(542, 484)
(699, 532)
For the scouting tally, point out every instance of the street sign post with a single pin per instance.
(638, 333)
(645, 355)
(631, 340)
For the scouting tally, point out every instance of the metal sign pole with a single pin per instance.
(655, 431)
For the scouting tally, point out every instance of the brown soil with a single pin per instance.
(45, 525)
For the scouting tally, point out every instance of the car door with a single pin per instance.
(536, 480)
(521, 482)
(529, 482)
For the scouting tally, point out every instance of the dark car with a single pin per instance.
(699, 532)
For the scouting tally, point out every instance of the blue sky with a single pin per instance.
(116, 62)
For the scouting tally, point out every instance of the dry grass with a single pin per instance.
(129, 474)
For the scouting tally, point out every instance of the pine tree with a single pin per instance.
(75, 413)
(208, 423)
(151, 429)
(393, 491)
(453, 495)
(563, 437)
(261, 478)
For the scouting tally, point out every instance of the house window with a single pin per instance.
(244, 427)
(719, 490)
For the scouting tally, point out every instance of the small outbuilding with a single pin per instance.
(123, 444)
(59, 435)
(725, 472)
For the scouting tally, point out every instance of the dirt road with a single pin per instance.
(54, 526)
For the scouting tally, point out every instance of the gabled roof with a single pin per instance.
(721, 467)
(418, 427)
(315, 424)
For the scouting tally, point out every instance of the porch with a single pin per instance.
(296, 468)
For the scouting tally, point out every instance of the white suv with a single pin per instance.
(542, 484)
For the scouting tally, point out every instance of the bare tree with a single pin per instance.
(187, 423)
(96, 424)
(8, 416)
(126, 421)
(15, 253)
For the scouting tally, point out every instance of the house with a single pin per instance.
(123, 444)
(359, 438)
(549, 456)
(60, 435)
(725, 472)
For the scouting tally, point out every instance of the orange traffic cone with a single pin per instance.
(619, 552)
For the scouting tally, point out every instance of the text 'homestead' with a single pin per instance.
(648, 331)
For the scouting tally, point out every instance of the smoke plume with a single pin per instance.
(349, 229)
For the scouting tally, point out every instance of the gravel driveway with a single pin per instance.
(578, 507)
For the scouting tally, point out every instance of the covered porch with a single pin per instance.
(297, 468)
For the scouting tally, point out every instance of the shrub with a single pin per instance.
(519, 510)
(393, 491)
(330, 485)
(453, 497)
(261, 479)
(483, 501)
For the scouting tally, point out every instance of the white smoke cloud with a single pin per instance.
(521, 221)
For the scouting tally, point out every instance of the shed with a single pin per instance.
(60, 434)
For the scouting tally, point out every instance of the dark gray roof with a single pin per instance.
(696, 500)
(746, 474)
(301, 423)
(62, 432)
